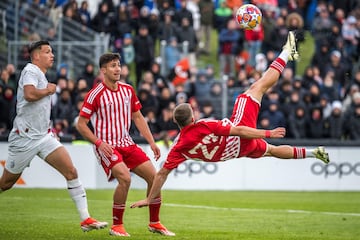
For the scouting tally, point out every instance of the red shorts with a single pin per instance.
(245, 113)
(132, 156)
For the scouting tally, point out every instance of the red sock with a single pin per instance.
(299, 152)
(278, 64)
(118, 213)
(154, 210)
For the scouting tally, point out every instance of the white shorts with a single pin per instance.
(23, 150)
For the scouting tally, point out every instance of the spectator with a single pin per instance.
(351, 34)
(12, 82)
(354, 124)
(278, 35)
(289, 106)
(222, 15)
(297, 122)
(164, 99)
(150, 117)
(186, 32)
(167, 125)
(274, 115)
(253, 41)
(321, 57)
(62, 110)
(144, 19)
(340, 71)
(147, 100)
(128, 50)
(167, 28)
(84, 13)
(183, 12)
(215, 97)
(159, 80)
(269, 24)
(202, 86)
(321, 25)
(144, 52)
(207, 111)
(315, 123)
(7, 106)
(88, 74)
(166, 7)
(206, 22)
(172, 54)
(335, 122)
(154, 25)
(329, 88)
(104, 20)
(228, 39)
(122, 22)
(325, 105)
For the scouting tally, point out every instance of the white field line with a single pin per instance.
(259, 210)
(211, 207)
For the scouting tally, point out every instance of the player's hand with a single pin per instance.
(106, 149)
(278, 132)
(51, 87)
(140, 204)
(156, 151)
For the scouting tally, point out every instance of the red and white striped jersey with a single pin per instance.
(205, 140)
(110, 112)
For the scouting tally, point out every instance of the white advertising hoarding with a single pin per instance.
(342, 174)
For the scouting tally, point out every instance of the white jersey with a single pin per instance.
(33, 118)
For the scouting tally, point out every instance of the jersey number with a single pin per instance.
(202, 146)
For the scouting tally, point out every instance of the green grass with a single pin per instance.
(50, 214)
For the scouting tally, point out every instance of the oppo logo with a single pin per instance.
(191, 168)
(336, 169)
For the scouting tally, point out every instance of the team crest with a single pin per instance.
(114, 157)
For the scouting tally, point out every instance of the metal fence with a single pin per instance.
(73, 43)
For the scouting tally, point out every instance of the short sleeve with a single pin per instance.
(87, 108)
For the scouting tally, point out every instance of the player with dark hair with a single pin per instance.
(111, 106)
(221, 140)
(31, 134)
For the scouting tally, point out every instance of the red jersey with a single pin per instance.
(206, 140)
(110, 112)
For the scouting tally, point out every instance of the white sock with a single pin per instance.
(78, 195)
(309, 153)
(284, 55)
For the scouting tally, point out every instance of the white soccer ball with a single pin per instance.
(248, 16)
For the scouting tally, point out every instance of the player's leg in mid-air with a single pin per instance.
(271, 76)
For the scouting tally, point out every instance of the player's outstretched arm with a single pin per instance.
(251, 133)
(159, 181)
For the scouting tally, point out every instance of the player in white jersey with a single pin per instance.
(111, 106)
(31, 135)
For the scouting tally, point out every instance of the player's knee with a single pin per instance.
(71, 174)
(6, 186)
(124, 180)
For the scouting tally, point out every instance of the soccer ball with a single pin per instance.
(248, 16)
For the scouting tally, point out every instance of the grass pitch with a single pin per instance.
(50, 214)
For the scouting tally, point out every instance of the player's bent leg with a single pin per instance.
(121, 172)
(147, 171)
(259, 88)
(8, 180)
(290, 152)
(61, 161)
(282, 151)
